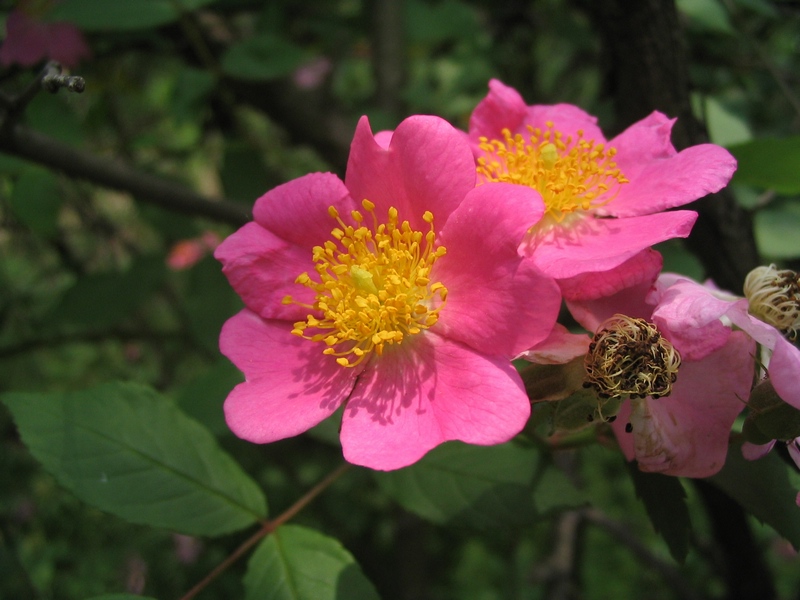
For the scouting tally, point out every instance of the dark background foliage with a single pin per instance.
(194, 108)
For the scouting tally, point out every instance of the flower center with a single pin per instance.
(774, 297)
(630, 358)
(374, 286)
(571, 174)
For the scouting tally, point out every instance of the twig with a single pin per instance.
(622, 533)
(41, 149)
(267, 528)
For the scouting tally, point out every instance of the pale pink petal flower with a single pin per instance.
(614, 208)
(29, 41)
(559, 348)
(448, 380)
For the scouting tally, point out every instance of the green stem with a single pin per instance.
(267, 528)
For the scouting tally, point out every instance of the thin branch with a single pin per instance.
(25, 143)
(622, 533)
(267, 528)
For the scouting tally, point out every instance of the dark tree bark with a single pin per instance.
(648, 71)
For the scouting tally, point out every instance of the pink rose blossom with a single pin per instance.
(187, 253)
(605, 201)
(687, 432)
(468, 302)
(30, 40)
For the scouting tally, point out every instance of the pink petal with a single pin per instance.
(689, 314)
(675, 181)
(67, 44)
(297, 211)
(415, 397)
(559, 348)
(262, 269)
(756, 451)
(642, 267)
(26, 40)
(502, 108)
(566, 118)
(642, 143)
(784, 371)
(686, 434)
(794, 451)
(497, 301)
(628, 301)
(291, 386)
(593, 245)
(427, 167)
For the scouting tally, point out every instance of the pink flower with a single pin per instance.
(187, 253)
(30, 40)
(701, 317)
(605, 201)
(398, 293)
(685, 433)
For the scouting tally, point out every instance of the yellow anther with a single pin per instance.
(373, 286)
(571, 173)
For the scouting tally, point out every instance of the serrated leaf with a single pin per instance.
(124, 449)
(762, 488)
(484, 486)
(665, 502)
(296, 563)
(770, 163)
(102, 15)
(262, 58)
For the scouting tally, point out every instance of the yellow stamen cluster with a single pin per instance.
(570, 174)
(629, 358)
(774, 297)
(373, 287)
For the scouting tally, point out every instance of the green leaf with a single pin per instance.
(202, 398)
(296, 563)
(665, 501)
(121, 597)
(583, 409)
(762, 487)
(770, 163)
(708, 15)
(554, 491)
(776, 228)
(263, 57)
(36, 201)
(485, 486)
(126, 450)
(102, 299)
(210, 301)
(770, 418)
(102, 15)
(725, 127)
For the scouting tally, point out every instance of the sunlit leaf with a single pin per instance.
(708, 15)
(769, 163)
(776, 228)
(296, 563)
(485, 486)
(126, 450)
